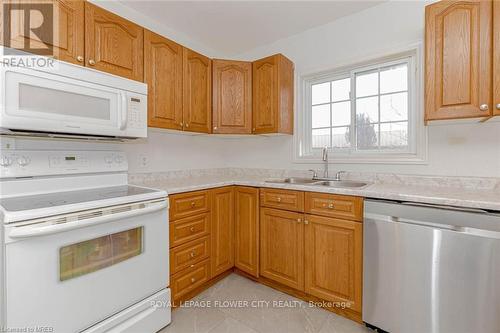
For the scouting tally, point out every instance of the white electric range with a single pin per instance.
(82, 250)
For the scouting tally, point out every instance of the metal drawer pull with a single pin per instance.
(330, 206)
(193, 280)
(193, 204)
(483, 107)
(279, 199)
(498, 106)
(299, 220)
(193, 254)
(306, 222)
(191, 229)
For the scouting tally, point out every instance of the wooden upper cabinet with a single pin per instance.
(65, 35)
(273, 95)
(458, 39)
(222, 256)
(232, 97)
(113, 44)
(496, 57)
(163, 74)
(246, 234)
(197, 92)
(282, 247)
(333, 259)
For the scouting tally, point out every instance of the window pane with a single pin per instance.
(321, 93)
(341, 89)
(394, 135)
(341, 113)
(394, 107)
(366, 84)
(367, 109)
(321, 116)
(321, 138)
(340, 137)
(367, 136)
(394, 78)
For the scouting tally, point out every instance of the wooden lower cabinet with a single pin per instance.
(333, 259)
(282, 247)
(189, 279)
(246, 235)
(222, 230)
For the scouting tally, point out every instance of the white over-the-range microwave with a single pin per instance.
(66, 100)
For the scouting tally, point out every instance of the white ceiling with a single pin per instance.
(233, 27)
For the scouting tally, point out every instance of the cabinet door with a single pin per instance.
(163, 74)
(496, 57)
(197, 92)
(246, 236)
(65, 35)
(282, 247)
(458, 59)
(333, 259)
(232, 97)
(265, 95)
(222, 230)
(113, 44)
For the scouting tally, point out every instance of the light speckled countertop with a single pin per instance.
(476, 195)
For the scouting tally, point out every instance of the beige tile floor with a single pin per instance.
(272, 312)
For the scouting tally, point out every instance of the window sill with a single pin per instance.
(400, 159)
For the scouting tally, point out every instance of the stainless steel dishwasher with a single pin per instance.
(430, 269)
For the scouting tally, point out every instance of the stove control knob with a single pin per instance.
(5, 161)
(118, 159)
(23, 161)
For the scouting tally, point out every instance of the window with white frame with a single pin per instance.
(367, 112)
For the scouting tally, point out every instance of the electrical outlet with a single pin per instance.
(7, 143)
(143, 161)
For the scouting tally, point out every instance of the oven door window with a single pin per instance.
(98, 253)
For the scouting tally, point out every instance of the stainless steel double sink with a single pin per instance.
(319, 182)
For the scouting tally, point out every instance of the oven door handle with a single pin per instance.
(36, 230)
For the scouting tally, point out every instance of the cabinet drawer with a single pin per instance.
(282, 199)
(189, 204)
(189, 228)
(184, 256)
(332, 205)
(190, 279)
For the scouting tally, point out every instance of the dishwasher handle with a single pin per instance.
(34, 230)
(463, 230)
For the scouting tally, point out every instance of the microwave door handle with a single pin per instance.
(123, 123)
(31, 231)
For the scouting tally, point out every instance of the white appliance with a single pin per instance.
(430, 268)
(67, 100)
(83, 250)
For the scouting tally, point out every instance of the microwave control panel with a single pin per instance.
(136, 115)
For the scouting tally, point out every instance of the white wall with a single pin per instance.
(458, 149)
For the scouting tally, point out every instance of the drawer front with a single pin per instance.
(190, 279)
(332, 205)
(189, 204)
(188, 229)
(282, 199)
(184, 256)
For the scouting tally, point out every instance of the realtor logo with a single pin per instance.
(28, 27)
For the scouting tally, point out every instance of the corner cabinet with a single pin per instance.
(163, 74)
(197, 92)
(246, 230)
(67, 41)
(232, 97)
(458, 59)
(273, 87)
(113, 44)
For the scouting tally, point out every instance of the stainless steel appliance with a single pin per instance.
(431, 269)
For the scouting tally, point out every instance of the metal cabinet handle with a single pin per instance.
(79, 58)
(498, 106)
(330, 206)
(299, 220)
(181, 124)
(191, 229)
(193, 203)
(193, 280)
(91, 62)
(484, 107)
(279, 199)
(306, 222)
(193, 254)
(187, 125)
(215, 128)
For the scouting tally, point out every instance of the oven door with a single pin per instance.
(43, 102)
(69, 276)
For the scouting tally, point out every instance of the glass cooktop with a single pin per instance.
(70, 197)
